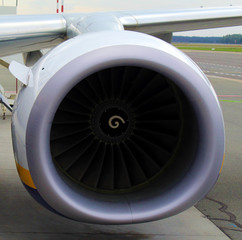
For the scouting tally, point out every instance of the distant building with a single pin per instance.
(8, 82)
(8, 7)
(4, 10)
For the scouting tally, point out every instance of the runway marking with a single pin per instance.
(230, 101)
(212, 68)
(233, 96)
(225, 78)
(219, 65)
(230, 96)
(221, 73)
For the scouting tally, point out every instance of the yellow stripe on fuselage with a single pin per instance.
(222, 165)
(25, 176)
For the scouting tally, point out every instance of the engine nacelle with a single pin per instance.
(117, 128)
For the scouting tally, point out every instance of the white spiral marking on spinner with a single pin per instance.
(116, 122)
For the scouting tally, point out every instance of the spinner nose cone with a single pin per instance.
(112, 121)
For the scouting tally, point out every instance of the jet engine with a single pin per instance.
(117, 128)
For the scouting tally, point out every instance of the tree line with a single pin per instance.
(228, 39)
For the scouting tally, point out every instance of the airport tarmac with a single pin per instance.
(223, 205)
(22, 218)
(221, 64)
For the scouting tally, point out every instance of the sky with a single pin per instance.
(49, 6)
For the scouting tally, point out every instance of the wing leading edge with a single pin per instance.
(26, 33)
(159, 22)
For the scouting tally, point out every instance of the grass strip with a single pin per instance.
(213, 49)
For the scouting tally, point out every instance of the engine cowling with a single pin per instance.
(118, 127)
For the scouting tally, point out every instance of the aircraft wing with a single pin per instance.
(157, 22)
(25, 33)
